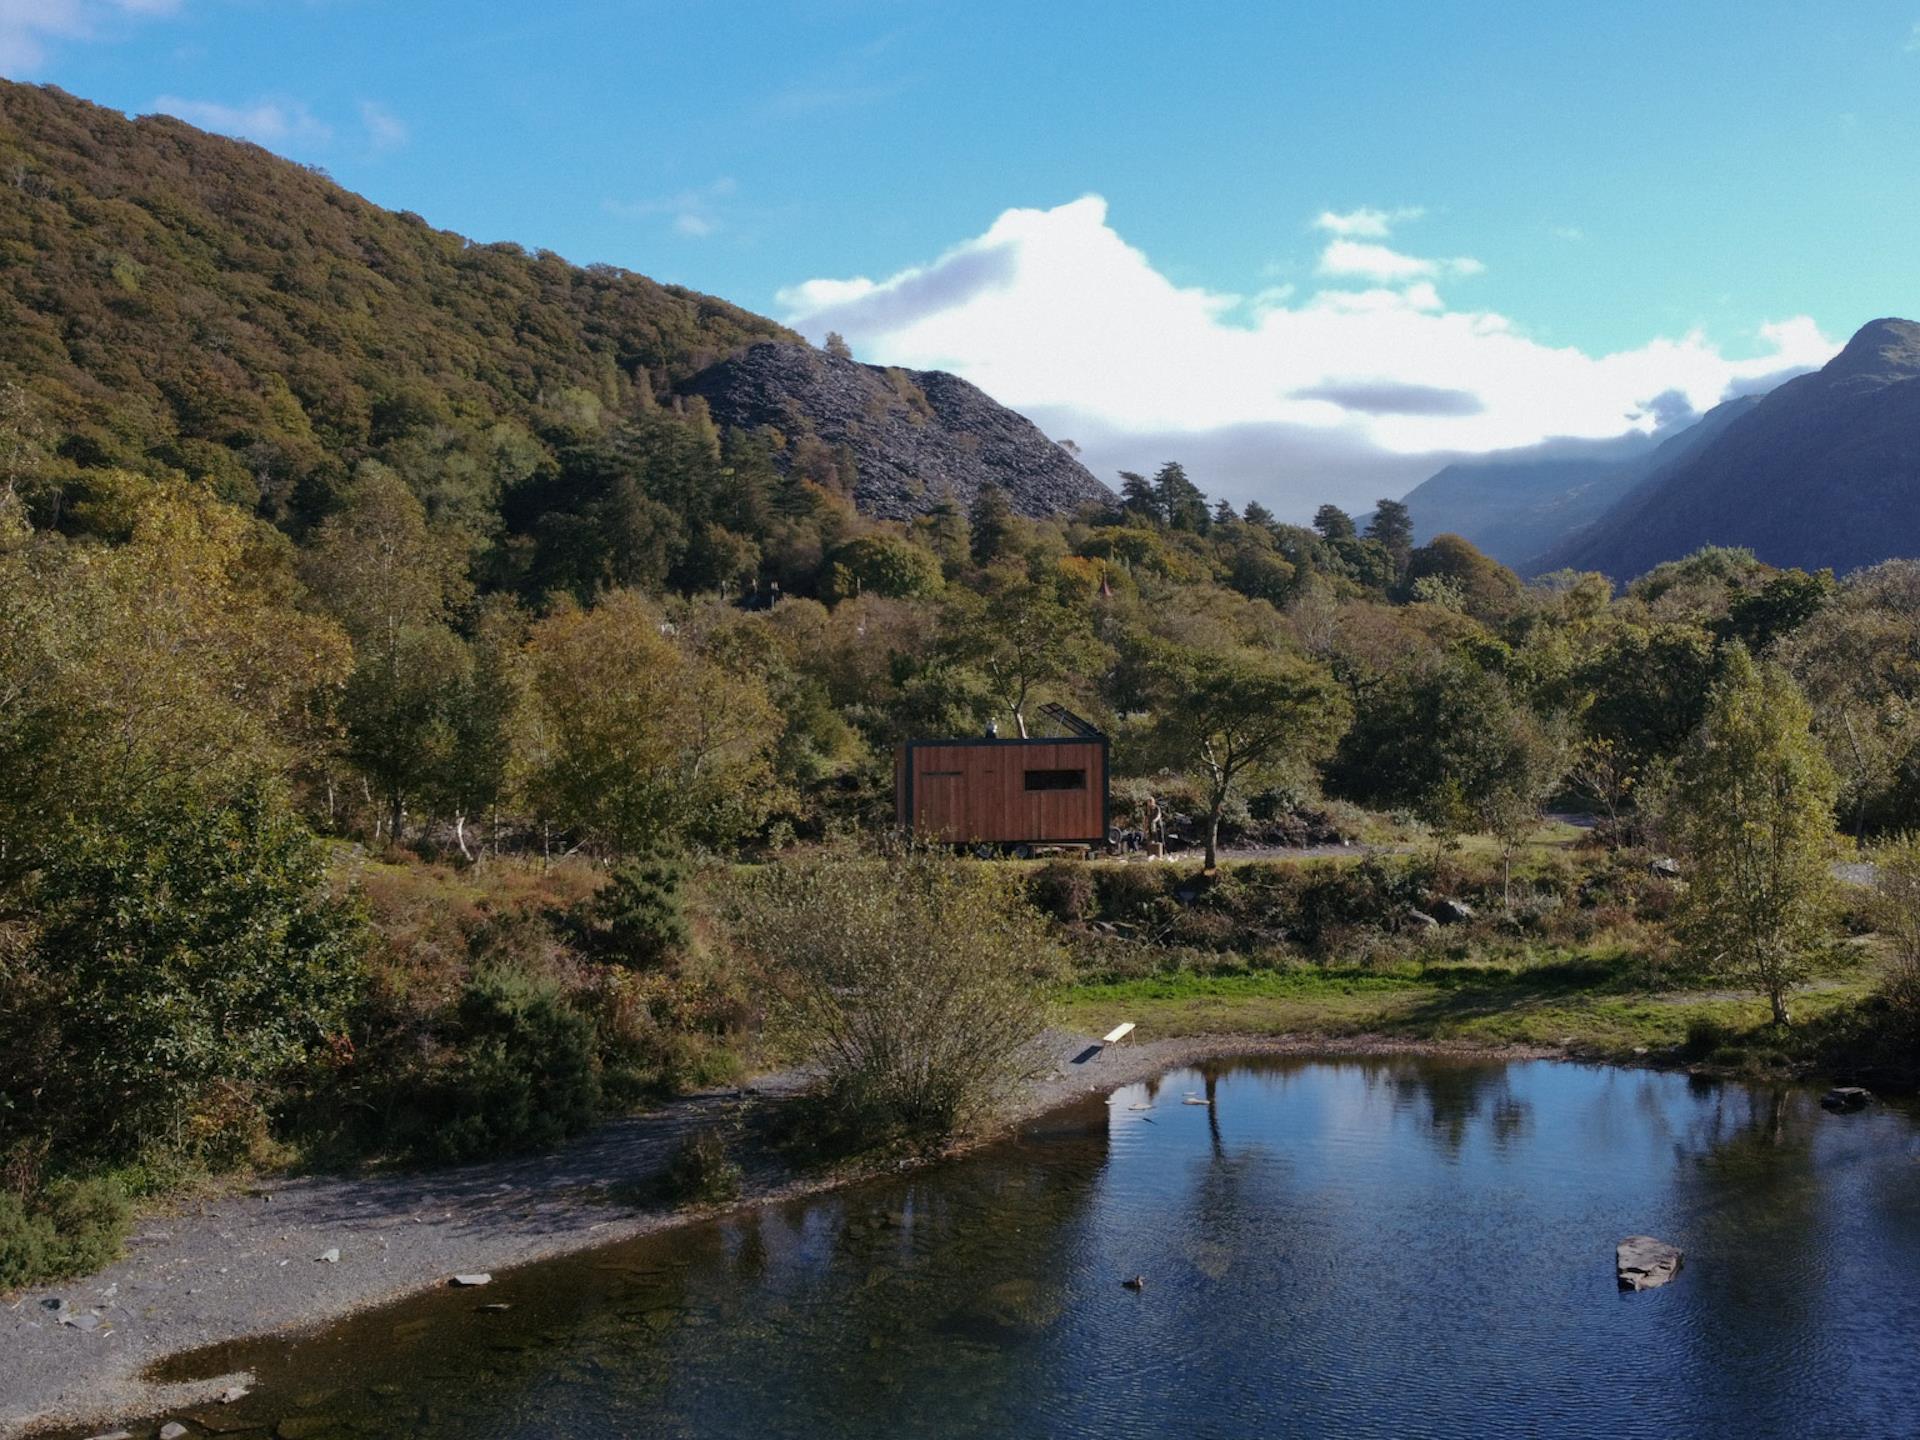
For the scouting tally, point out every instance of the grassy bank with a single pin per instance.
(1572, 949)
(1587, 1005)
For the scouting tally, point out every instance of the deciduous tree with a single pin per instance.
(1756, 815)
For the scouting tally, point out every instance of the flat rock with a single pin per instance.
(329, 1257)
(174, 1430)
(473, 1277)
(1421, 920)
(1846, 1097)
(1452, 912)
(1642, 1262)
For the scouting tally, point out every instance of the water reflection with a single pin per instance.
(1457, 1095)
(1387, 1248)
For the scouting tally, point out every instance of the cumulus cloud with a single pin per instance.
(1348, 392)
(266, 122)
(912, 295)
(29, 27)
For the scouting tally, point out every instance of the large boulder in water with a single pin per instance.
(1643, 1262)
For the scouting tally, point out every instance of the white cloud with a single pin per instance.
(266, 122)
(1277, 397)
(1366, 223)
(29, 27)
(695, 214)
(385, 130)
(1361, 260)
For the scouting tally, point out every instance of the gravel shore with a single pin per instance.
(250, 1262)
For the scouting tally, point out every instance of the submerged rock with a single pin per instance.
(1642, 1262)
(174, 1430)
(1846, 1097)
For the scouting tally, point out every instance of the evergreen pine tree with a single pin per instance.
(991, 521)
(1333, 523)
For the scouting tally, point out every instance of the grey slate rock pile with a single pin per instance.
(914, 434)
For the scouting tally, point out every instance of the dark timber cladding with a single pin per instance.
(1004, 792)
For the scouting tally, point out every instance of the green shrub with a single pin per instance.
(1065, 890)
(190, 950)
(1705, 1035)
(701, 1171)
(1334, 900)
(1128, 893)
(639, 919)
(524, 1074)
(73, 1227)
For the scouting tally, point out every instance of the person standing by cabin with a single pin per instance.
(1155, 827)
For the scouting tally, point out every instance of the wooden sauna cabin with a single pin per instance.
(994, 794)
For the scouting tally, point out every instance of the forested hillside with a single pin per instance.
(175, 299)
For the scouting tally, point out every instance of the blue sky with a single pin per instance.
(1606, 200)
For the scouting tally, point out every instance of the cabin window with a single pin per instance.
(1056, 779)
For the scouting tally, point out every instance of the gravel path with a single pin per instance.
(245, 1263)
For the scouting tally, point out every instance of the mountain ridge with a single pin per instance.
(1822, 472)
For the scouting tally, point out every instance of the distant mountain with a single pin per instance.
(1824, 471)
(1516, 505)
(915, 434)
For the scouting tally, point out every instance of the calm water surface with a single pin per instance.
(1382, 1248)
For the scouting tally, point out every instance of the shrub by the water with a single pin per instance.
(525, 1073)
(912, 983)
(70, 1227)
(701, 1171)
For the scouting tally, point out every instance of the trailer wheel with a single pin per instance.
(1023, 852)
(983, 851)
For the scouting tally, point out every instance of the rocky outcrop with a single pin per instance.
(915, 435)
(1642, 1262)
